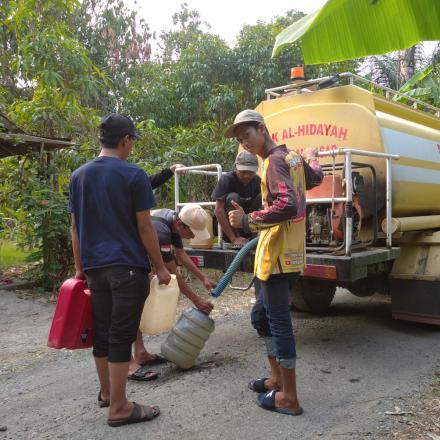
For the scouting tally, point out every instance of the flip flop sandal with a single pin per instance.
(156, 360)
(143, 374)
(103, 403)
(257, 385)
(150, 412)
(267, 401)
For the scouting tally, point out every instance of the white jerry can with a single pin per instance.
(159, 314)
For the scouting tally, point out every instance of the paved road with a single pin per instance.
(354, 365)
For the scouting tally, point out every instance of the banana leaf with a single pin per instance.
(435, 90)
(348, 29)
(419, 92)
(416, 78)
(426, 87)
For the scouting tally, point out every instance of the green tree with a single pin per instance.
(256, 71)
(175, 41)
(116, 41)
(201, 144)
(55, 88)
(202, 72)
(394, 69)
(65, 63)
(61, 80)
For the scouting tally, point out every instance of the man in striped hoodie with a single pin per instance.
(280, 254)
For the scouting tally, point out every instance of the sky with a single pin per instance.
(226, 17)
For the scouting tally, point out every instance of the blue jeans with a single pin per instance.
(271, 317)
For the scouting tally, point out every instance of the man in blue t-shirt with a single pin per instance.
(112, 238)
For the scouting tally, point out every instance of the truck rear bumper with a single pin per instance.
(341, 269)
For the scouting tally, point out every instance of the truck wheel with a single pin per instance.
(312, 295)
(369, 286)
(362, 288)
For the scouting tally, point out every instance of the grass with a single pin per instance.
(10, 255)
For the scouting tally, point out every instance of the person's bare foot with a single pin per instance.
(133, 366)
(121, 412)
(104, 395)
(144, 357)
(138, 414)
(264, 385)
(282, 402)
(271, 384)
(140, 373)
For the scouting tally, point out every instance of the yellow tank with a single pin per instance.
(352, 117)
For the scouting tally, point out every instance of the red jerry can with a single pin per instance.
(72, 324)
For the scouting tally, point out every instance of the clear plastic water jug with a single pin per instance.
(159, 314)
(187, 338)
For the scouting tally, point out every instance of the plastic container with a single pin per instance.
(188, 337)
(72, 322)
(159, 314)
(204, 244)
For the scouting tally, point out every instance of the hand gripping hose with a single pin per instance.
(227, 277)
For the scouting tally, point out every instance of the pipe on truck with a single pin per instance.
(407, 224)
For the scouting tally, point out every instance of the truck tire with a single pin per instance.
(369, 286)
(312, 295)
(362, 288)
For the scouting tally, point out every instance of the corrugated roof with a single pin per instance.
(17, 144)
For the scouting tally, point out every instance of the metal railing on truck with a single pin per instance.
(201, 170)
(347, 166)
(348, 199)
(352, 79)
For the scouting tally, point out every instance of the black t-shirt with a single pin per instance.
(161, 177)
(163, 223)
(229, 183)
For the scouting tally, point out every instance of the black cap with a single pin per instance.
(115, 127)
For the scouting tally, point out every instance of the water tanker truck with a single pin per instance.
(373, 225)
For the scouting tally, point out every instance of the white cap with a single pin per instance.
(196, 218)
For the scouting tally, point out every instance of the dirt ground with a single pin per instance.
(361, 375)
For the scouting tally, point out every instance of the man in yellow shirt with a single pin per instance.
(280, 255)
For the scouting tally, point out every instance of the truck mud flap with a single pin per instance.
(415, 300)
